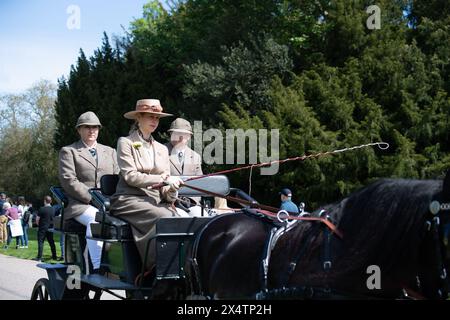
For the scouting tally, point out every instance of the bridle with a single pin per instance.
(432, 228)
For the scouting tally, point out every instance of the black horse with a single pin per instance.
(388, 231)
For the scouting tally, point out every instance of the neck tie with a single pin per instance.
(180, 157)
(93, 152)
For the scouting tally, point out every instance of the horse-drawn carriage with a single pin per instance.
(393, 226)
(121, 266)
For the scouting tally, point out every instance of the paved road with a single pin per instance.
(18, 276)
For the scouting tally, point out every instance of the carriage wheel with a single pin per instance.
(94, 294)
(41, 290)
(87, 292)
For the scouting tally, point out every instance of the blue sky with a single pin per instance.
(36, 43)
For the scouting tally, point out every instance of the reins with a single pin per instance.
(270, 211)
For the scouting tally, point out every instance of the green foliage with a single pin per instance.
(28, 158)
(243, 76)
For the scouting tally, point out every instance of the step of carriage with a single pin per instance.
(105, 283)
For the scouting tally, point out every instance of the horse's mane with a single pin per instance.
(383, 224)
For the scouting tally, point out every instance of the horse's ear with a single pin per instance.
(446, 187)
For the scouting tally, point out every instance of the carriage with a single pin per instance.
(395, 225)
(121, 266)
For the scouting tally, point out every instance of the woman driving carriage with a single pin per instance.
(144, 162)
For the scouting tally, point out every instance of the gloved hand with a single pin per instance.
(172, 196)
(174, 182)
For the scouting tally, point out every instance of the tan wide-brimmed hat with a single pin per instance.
(88, 119)
(152, 106)
(180, 125)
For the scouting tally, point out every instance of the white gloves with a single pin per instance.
(174, 182)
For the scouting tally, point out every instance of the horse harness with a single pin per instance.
(279, 228)
(432, 226)
(275, 234)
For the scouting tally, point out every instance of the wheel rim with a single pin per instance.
(41, 290)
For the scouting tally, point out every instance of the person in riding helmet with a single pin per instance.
(81, 165)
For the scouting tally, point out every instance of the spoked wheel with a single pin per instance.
(41, 290)
(93, 294)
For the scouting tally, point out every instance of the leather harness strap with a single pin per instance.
(270, 211)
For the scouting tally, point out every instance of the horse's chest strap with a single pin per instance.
(272, 239)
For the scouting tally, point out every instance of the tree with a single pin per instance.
(28, 157)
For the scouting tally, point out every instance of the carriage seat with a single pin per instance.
(59, 224)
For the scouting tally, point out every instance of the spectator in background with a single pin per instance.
(23, 208)
(286, 201)
(12, 214)
(3, 221)
(15, 204)
(2, 201)
(31, 210)
(45, 221)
